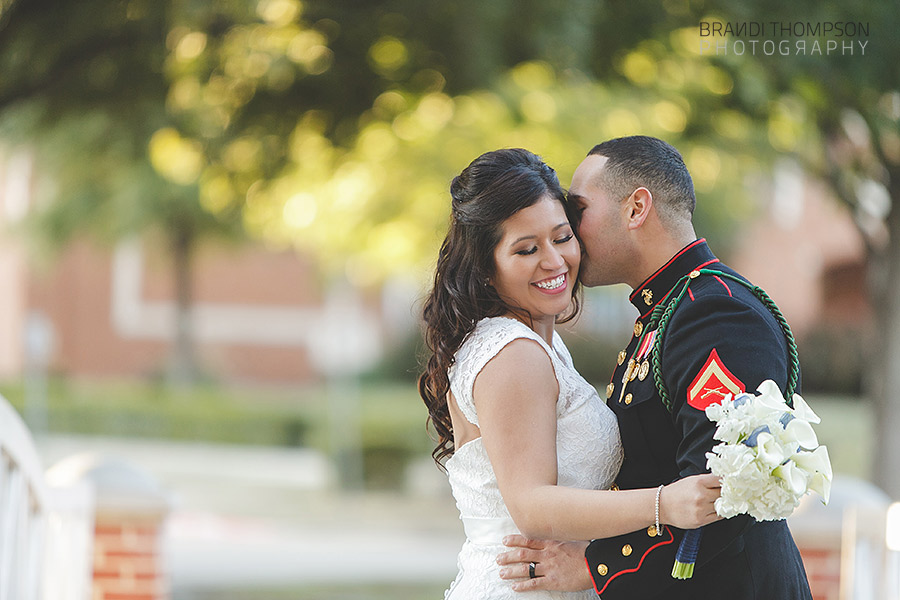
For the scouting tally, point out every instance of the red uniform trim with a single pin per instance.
(591, 572)
(640, 562)
(691, 294)
(719, 279)
(663, 268)
(707, 263)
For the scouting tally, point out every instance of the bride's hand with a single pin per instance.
(689, 503)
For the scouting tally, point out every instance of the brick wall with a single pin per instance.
(823, 569)
(130, 509)
(127, 560)
(842, 544)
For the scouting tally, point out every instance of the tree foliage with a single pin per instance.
(336, 125)
(838, 114)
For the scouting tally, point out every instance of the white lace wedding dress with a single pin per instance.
(588, 448)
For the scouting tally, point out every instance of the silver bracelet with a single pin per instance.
(658, 492)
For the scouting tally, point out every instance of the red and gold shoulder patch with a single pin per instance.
(713, 383)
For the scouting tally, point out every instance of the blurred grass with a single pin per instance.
(847, 429)
(341, 592)
(390, 417)
(137, 409)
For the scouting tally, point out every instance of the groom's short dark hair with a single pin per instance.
(643, 161)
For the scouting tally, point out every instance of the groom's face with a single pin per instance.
(601, 227)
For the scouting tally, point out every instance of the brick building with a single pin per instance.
(259, 314)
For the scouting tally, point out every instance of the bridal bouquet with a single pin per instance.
(768, 460)
(769, 457)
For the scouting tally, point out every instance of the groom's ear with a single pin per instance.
(639, 205)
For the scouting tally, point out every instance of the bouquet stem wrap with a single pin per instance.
(687, 554)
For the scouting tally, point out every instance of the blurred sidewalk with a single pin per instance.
(250, 516)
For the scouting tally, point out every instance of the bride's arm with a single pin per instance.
(515, 396)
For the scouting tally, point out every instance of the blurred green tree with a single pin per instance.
(335, 125)
(448, 81)
(837, 113)
(559, 78)
(330, 125)
(148, 116)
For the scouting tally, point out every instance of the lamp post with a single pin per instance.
(348, 344)
(892, 541)
(39, 343)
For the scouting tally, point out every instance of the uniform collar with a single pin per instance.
(693, 256)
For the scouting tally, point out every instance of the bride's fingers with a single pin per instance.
(710, 481)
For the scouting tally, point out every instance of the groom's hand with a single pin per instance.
(558, 565)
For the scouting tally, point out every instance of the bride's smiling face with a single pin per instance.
(537, 260)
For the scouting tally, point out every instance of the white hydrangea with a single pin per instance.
(770, 456)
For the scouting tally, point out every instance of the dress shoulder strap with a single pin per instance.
(483, 343)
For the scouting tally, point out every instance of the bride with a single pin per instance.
(527, 443)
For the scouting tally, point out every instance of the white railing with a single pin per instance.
(45, 532)
(870, 567)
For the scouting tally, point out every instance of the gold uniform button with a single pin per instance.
(602, 569)
(626, 550)
(651, 531)
(621, 358)
(638, 328)
(628, 398)
(694, 274)
(610, 389)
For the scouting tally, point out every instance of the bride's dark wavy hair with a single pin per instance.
(494, 187)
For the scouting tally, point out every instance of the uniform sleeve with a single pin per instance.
(718, 345)
(715, 344)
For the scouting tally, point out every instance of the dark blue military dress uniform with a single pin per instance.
(720, 340)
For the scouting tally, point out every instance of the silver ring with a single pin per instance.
(531, 574)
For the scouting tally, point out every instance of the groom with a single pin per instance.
(636, 199)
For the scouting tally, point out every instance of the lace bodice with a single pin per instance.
(589, 454)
